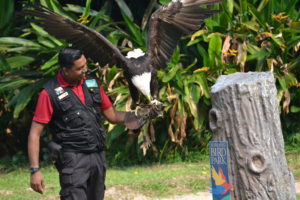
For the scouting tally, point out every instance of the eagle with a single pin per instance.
(166, 26)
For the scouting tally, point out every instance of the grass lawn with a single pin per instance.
(151, 181)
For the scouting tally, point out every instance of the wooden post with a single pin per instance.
(245, 113)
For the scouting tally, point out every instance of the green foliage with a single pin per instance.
(6, 17)
(244, 36)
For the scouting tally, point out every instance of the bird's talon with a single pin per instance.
(156, 102)
(137, 110)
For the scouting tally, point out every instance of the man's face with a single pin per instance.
(77, 71)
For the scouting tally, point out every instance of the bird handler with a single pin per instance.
(72, 105)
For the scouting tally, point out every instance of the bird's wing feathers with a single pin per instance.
(172, 21)
(92, 43)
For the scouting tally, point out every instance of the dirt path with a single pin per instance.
(207, 195)
(111, 193)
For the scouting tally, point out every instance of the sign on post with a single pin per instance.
(220, 186)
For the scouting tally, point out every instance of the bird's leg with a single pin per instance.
(156, 108)
(155, 102)
(136, 110)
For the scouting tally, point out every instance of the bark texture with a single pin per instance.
(245, 113)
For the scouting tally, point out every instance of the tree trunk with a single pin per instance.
(245, 113)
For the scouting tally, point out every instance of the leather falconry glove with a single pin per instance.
(134, 122)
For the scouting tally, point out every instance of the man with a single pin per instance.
(71, 104)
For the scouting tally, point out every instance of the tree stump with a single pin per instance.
(245, 113)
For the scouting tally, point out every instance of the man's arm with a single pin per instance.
(113, 116)
(36, 179)
(129, 119)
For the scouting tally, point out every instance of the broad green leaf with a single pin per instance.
(100, 16)
(4, 66)
(195, 92)
(279, 41)
(204, 54)
(192, 42)
(260, 55)
(291, 80)
(262, 5)
(124, 8)
(18, 41)
(20, 50)
(13, 84)
(295, 109)
(19, 61)
(6, 13)
(87, 8)
(282, 83)
(226, 17)
(252, 25)
(55, 5)
(290, 6)
(252, 49)
(243, 9)
(80, 10)
(198, 34)
(135, 31)
(25, 95)
(114, 134)
(113, 37)
(164, 2)
(229, 6)
(39, 30)
(148, 13)
(201, 78)
(46, 43)
(256, 14)
(210, 23)
(269, 11)
(181, 107)
(170, 75)
(215, 47)
(50, 63)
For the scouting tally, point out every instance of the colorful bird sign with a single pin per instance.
(221, 185)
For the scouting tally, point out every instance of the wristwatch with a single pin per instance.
(34, 169)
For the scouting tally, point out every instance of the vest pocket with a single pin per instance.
(96, 95)
(74, 120)
(65, 104)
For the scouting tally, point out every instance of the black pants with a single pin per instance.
(81, 176)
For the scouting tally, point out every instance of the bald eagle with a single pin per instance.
(166, 26)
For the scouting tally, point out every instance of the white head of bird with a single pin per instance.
(135, 53)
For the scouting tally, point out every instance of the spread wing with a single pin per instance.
(92, 43)
(169, 23)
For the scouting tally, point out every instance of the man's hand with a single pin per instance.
(134, 122)
(37, 182)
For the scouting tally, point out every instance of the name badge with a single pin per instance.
(63, 95)
(91, 83)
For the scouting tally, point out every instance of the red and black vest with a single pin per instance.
(74, 125)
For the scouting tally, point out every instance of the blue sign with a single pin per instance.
(220, 186)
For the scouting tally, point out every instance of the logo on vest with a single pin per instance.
(91, 83)
(59, 90)
(61, 93)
